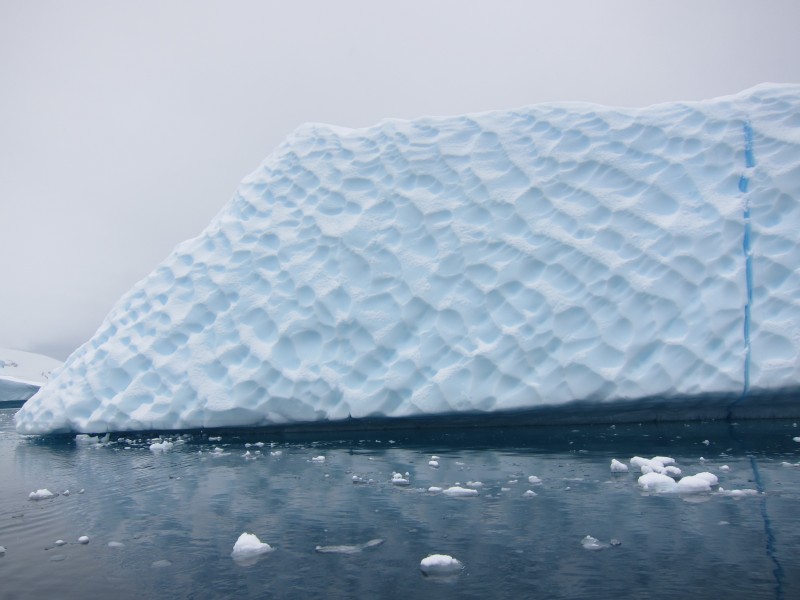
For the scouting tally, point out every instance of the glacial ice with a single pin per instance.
(503, 261)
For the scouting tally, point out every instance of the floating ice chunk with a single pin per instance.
(710, 477)
(434, 489)
(344, 549)
(61, 543)
(618, 467)
(248, 456)
(474, 484)
(695, 484)
(672, 471)
(84, 539)
(83, 439)
(434, 457)
(533, 479)
(459, 491)
(248, 546)
(157, 447)
(796, 439)
(116, 545)
(399, 479)
(529, 494)
(161, 564)
(318, 459)
(788, 464)
(215, 439)
(42, 494)
(657, 482)
(592, 543)
(58, 557)
(433, 463)
(706, 442)
(437, 564)
(664, 460)
(275, 452)
(725, 468)
(2, 550)
(737, 493)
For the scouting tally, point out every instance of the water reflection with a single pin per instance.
(179, 512)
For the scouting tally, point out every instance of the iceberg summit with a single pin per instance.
(566, 257)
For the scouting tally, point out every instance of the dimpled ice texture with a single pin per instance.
(481, 263)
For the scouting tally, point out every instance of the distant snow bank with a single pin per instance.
(23, 373)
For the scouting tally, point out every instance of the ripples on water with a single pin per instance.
(175, 515)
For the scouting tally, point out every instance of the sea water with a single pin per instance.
(162, 513)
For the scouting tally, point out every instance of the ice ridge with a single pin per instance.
(504, 261)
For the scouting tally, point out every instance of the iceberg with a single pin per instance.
(23, 373)
(566, 256)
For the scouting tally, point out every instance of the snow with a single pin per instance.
(439, 564)
(248, 546)
(510, 260)
(23, 373)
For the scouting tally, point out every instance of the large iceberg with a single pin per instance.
(495, 262)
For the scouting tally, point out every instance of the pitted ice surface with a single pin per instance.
(480, 263)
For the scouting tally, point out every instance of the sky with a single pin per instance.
(126, 126)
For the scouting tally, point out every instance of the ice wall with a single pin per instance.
(489, 262)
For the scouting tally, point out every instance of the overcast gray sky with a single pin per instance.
(126, 126)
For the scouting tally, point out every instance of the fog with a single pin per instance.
(125, 127)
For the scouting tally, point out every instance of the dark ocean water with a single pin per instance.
(178, 513)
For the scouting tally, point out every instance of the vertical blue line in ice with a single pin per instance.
(744, 184)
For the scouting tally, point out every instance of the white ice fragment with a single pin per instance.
(592, 543)
(84, 539)
(348, 549)
(157, 447)
(618, 467)
(42, 494)
(437, 564)
(2, 550)
(474, 484)
(83, 439)
(248, 546)
(318, 459)
(398, 479)
(664, 460)
(65, 493)
(80, 491)
(116, 545)
(434, 490)
(275, 452)
(706, 442)
(459, 491)
(657, 482)
(796, 439)
(215, 439)
(533, 479)
(737, 493)
(724, 468)
(672, 471)
(433, 463)
(434, 457)
(529, 494)
(61, 543)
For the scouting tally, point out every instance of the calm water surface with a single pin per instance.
(178, 514)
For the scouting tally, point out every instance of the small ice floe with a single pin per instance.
(592, 543)
(248, 456)
(358, 479)
(161, 564)
(459, 491)
(80, 491)
(65, 493)
(529, 494)
(217, 452)
(796, 439)
(42, 494)
(788, 464)
(84, 539)
(706, 442)
(672, 471)
(434, 489)
(474, 484)
(737, 493)
(399, 479)
(215, 439)
(440, 564)
(533, 479)
(344, 549)
(433, 463)
(725, 468)
(248, 547)
(276, 453)
(61, 543)
(434, 457)
(157, 447)
(116, 545)
(505, 489)
(618, 467)
(318, 459)
(663, 484)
